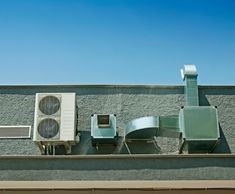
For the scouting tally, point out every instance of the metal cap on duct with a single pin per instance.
(188, 70)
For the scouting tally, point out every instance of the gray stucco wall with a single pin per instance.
(128, 102)
(116, 167)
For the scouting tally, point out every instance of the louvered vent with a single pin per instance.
(15, 132)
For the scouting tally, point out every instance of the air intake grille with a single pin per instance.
(103, 121)
(15, 132)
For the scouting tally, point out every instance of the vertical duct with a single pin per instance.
(189, 74)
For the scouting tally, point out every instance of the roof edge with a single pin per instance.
(153, 185)
(112, 86)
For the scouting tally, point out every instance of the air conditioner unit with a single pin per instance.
(55, 120)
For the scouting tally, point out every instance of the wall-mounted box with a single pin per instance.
(199, 127)
(103, 129)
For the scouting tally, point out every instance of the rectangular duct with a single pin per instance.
(191, 91)
(189, 74)
(200, 128)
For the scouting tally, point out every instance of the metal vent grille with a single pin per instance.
(15, 132)
(103, 121)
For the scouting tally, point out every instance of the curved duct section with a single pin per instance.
(145, 128)
(142, 128)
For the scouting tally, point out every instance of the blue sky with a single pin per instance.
(116, 41)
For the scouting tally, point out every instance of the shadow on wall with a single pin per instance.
(222, 146)
(84, 147)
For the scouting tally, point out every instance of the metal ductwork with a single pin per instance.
(197, 126)
(189, 74)
(103, 129)
(146, 128)
(142, 128)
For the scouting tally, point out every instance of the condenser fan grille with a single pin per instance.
(49, 105)
(48, 128)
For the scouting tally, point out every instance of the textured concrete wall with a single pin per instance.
(128, 102)
(224, 99)
(118, 168)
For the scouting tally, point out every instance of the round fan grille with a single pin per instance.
(48, 128)
(49, 105)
